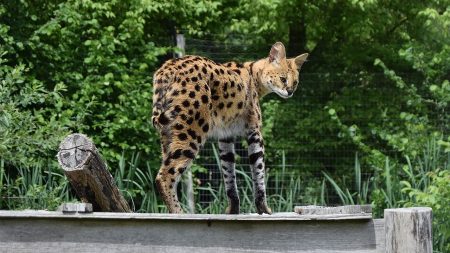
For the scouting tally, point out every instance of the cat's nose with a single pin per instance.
(290, 92)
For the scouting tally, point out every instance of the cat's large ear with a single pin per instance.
(277, 53)
(299, 60)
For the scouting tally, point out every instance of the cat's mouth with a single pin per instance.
(282, 93)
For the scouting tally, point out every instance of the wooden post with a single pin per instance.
(88, 174)
(188, 185)
(408, 230)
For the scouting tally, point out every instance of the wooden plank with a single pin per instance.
(76, 208)
(321, 210)
(29, 232)
(408, 230)
(380, 235)
(166, 216)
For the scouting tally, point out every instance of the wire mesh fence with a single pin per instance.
(308, 148)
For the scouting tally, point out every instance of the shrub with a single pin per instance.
(436, 196)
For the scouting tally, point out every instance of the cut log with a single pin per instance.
(408, 230)
(88, 174)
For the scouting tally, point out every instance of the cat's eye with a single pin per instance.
(295, 82)
(283, 79)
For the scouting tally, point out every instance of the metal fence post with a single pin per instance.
(187, 176)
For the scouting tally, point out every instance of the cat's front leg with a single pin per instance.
(256, 159)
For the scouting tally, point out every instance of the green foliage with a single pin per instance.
(437, 196)
(87, 67)
(32, 188)
(422, 181)
(29, 132)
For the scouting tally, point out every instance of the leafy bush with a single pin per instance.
(29, 132)
(436, 196)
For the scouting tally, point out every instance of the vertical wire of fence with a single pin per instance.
(311, 150)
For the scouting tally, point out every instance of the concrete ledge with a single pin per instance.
(43, 231)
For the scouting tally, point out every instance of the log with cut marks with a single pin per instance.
(88, 174)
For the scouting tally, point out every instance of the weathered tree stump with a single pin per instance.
(88, 174)
(408, 230)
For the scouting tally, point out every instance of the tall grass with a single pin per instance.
(32, 188)
(138, 185)
(360, 192)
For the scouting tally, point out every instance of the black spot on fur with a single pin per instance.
(254, 157)
(240, 104)
(204, 99)
(171, 171)
(163, 120)
(193, 146)
(197, 115)
(204, 70)
(192, 133)
(221, 105)
(189, 121)
(196, 104)
(197, 87)
(176, 154)
(194, 79)
(167, 162)
(186, 103)
(178, 126)
(229, 104)
(192, 94)
(201, 121)
(227, 157)
(182, 136)
(205, 128)
(189, 154)
(252, 139)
